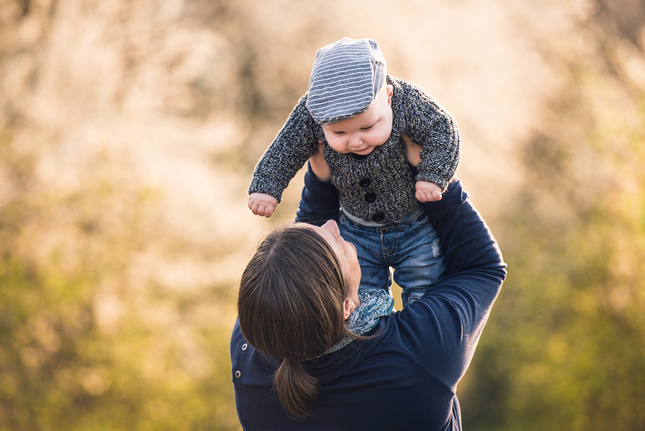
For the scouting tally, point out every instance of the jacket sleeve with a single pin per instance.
(430, 126)
(451, 316)
(318, 201)
(287, 154)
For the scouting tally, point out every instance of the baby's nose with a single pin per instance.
(355, 141)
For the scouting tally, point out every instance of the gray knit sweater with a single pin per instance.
(378, 187)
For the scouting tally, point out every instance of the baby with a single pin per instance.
(364, 119)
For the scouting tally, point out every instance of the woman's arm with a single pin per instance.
(446, 324)
(465, 238)
(451, 316)
(318, 201)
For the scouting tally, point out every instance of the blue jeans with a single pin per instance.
(411, 247)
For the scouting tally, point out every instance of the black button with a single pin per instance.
(365, 182)
(378, 217)
(370, 197)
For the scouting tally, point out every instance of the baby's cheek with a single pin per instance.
(380, 137)
(336, 145)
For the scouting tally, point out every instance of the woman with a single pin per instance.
(309, 351)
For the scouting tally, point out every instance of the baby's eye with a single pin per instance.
(339, 133)
(367, 128)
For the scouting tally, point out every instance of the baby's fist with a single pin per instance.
(427, 191)
(262, 204)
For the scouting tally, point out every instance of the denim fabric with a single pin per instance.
(410, 247)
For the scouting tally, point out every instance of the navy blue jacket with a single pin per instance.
(405, 378)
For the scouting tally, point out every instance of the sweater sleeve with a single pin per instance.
(446, 323)
(287, 154)
(430, 126)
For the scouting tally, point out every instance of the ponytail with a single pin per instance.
(297, 389)
(290, 305)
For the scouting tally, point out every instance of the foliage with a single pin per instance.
(116, 305)
(85, 345)
(565, 347)
(113, 315)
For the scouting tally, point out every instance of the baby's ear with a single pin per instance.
(389, 90)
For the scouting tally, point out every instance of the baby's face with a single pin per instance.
(361, 134)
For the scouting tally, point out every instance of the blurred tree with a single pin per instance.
(565, 347)
(88, 340)
(110, 315)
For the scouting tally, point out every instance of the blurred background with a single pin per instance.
(128, 134)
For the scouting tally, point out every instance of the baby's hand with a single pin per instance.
(319, 165)
(262, 204)
(427, 191)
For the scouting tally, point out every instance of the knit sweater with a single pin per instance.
(378, 187)
(405, 376)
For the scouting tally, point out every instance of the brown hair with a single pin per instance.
(290, 306)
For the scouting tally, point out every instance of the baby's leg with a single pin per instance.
(375, 273)
(418, 262)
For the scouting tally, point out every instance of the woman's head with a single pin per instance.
(297, 291)
(295, 295)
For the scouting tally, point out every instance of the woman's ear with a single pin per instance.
(348, 308)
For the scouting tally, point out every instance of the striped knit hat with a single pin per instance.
(345, 79)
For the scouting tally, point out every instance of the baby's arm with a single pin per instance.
(262, 204)
(288, 152)
(425, 190)
(430, 126)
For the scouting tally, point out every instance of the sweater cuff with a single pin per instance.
(266, 186)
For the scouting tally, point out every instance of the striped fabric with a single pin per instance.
(345, 79)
